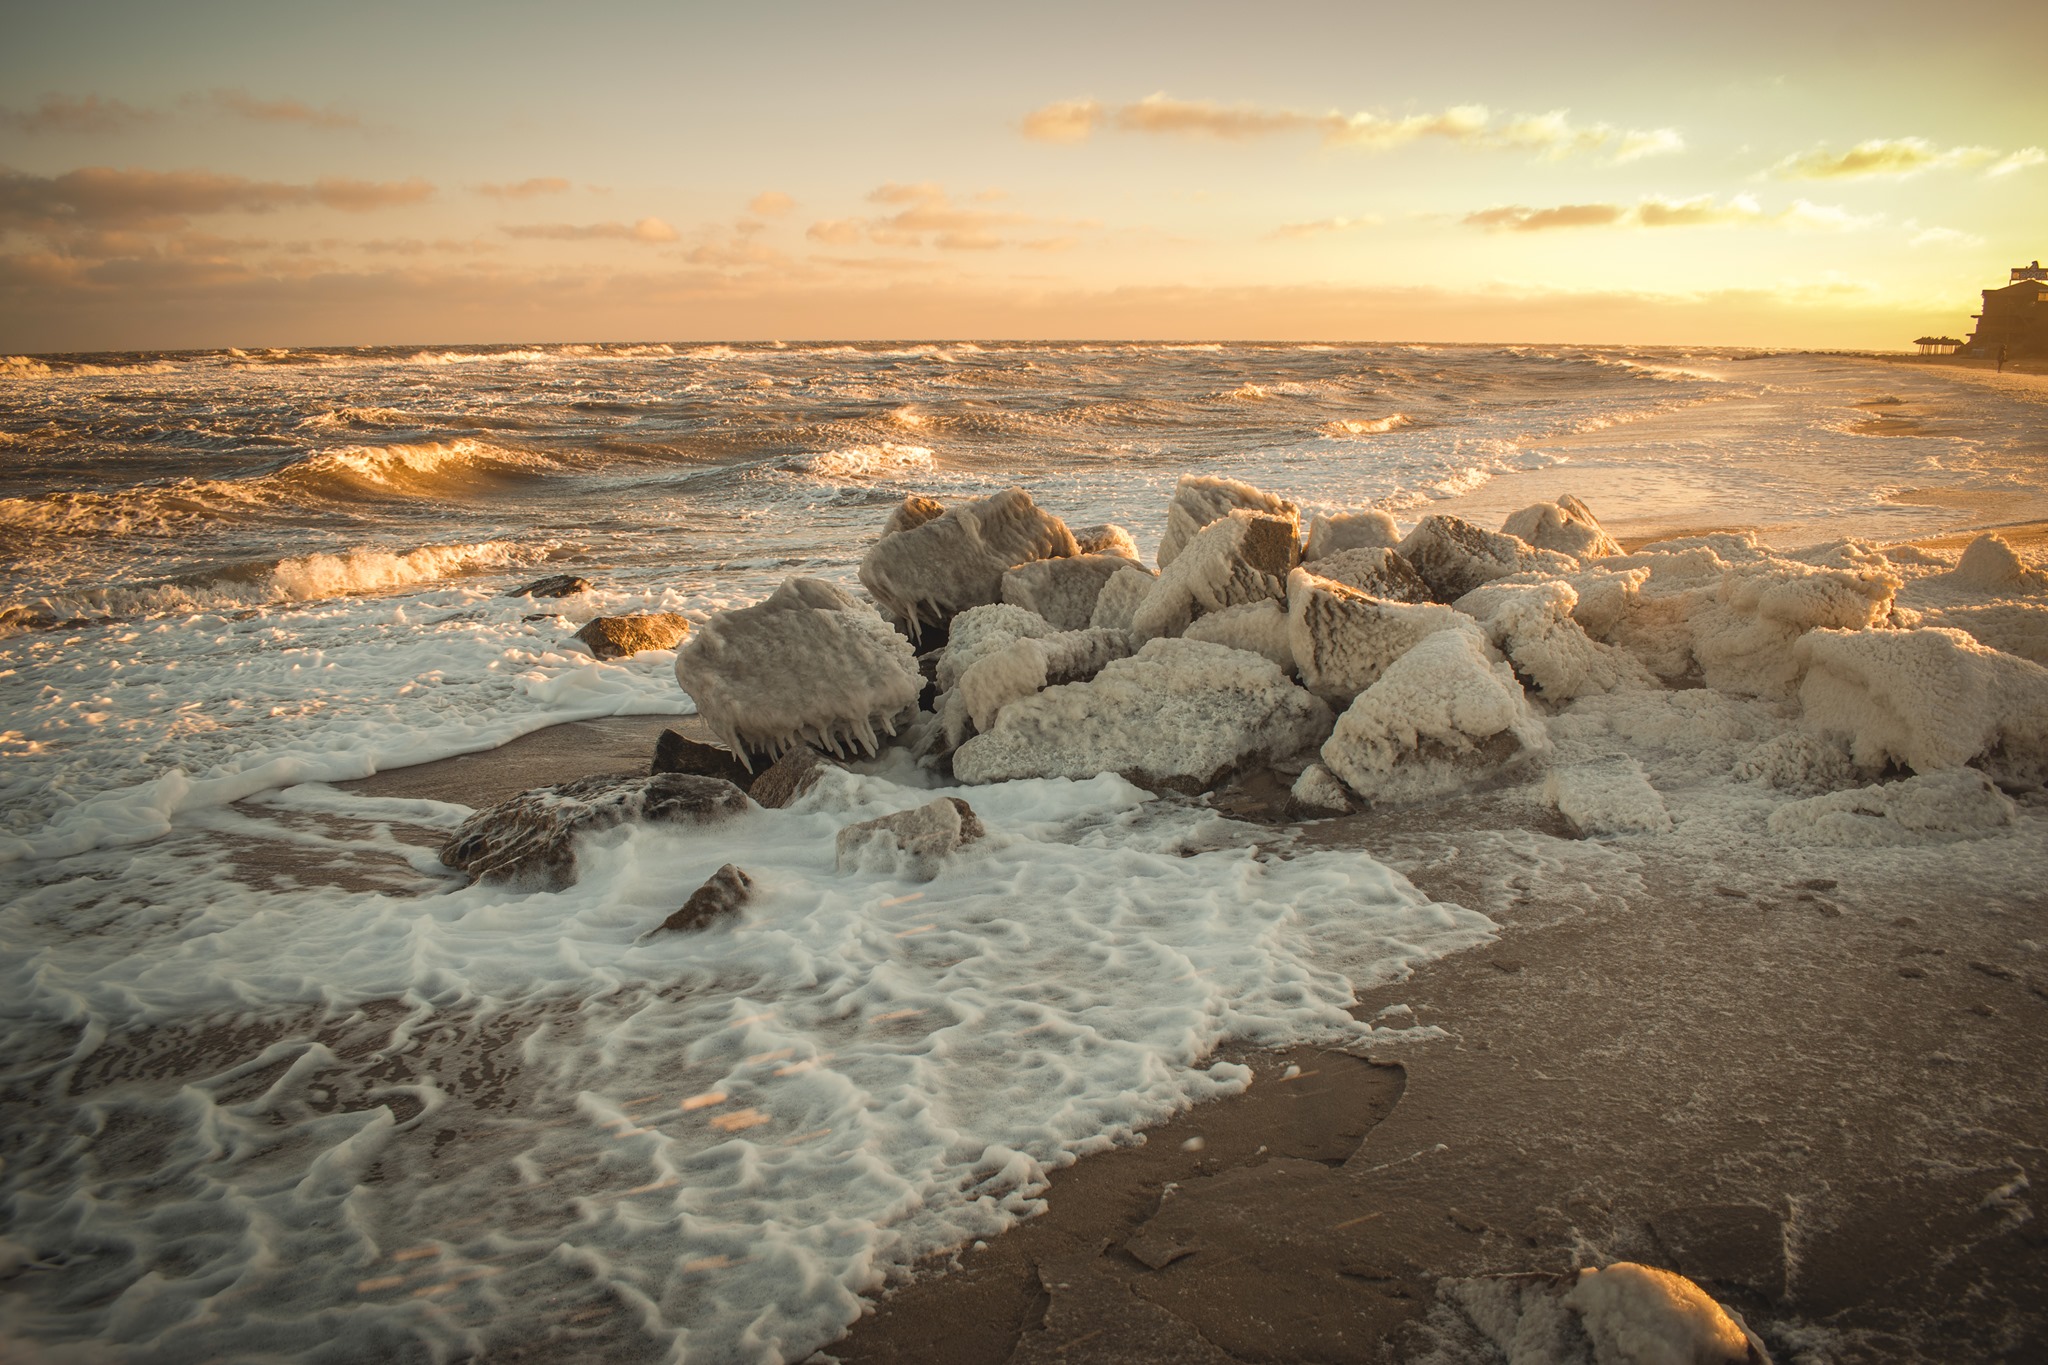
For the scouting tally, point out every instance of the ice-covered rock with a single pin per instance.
(910, 843)
(1371, 529)
(1567, 526)
(1938, 807)
(1342, 640)
(1990, 566)
(1927, 699)
(616, 637)
(1180, 713)
(809, 664)
(1239, 557)
(1610, 796)
(1442, 714)
(530, 839)
(1025, 666)
(1106, 539)
(914, 511)
(1376, 572)
(1259, 627)
(1798, 761)
(1120, 596)
(2012, 627)
(926, 574)
(1532, 624)
(1319, 792)
(1454, 556)
(1743, 632)
(981, 631)
(1063, 591)
(1640, 1315)
(1199, 499)
(721, 897)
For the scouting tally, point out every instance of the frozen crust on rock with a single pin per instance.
(1927, 699)
(1989, 565)
(1454, 556)
(1106, 539)
(1567, 526)
(808, 665)
(1318, 790)
(1120, 596)
(1611, 796)
(1532, 624)
(1639, 1315)
(1376, 572)
(1742, 635)
(1961, 803)
(1443, 713)
(1342, 640)
(1240, 557)
(981, 631)
(1025, 666)
(1257, 627)
(923, 576)
(1063, 591)
(1199, 499)
(1180, 714)
(1368, 530)
(913, 512)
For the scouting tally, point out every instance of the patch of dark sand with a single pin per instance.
(1795, 1088)
(1884, 424)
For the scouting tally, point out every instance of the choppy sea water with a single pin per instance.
(222, 575)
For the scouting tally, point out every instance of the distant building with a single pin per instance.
(2015, 318)
(1937, 345)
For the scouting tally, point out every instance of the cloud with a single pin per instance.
(1899, 157)
(1942, 236)
(525, 189)
(835, 231)
(244, 105)
(925, 213)
(646, 230)
(1551, 135)
(770, 204)
(1323, 227)
(1704, 210)
(158, 200)
(76, 114)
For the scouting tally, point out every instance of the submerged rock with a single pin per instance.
(530, 839)
(914, 843)
(809, 665)
(930, 572)
(1179, 714)
(1371, 529)
(1240, 557)
(790, 776)
(1063, 591)
(1454, 556)
(1343, 639)
(615, 637)
(554, 585)
(1567, 526)
(721, 897)
(1200, 499)
(675, 752)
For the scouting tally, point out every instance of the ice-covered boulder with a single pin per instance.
(1567, 526)
(1120, 596)
(809, 664)
(1454, 556)
(1199, 499)
(1990, 566)
(1640, 1315)
(1319, 792)
(1743, 631)
(926, 574)
(1106, 539)
(1063, 591)
(530, 839)
(1240, 557)
(1258, 627)
(1608, 796)
(914, 511)
(617, 637)
(1927, 699)
(1376, 572)
(1025, 666)
(2014, 627)
(980, 631)
(1371, 529)
(1342, 640)
(1180, 713)
(1444, 713)
(1532, 624)
(910, 843)
(1932, 808)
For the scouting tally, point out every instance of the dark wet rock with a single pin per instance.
(721, 897)
(554, 585)
(675, 752)
(531, 838)
(790, 776)
(914, 842)
(616, 637)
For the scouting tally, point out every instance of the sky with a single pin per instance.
(284, 173)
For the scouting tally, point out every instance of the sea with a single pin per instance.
(253, 1114)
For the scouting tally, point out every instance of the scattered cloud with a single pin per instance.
(926, 214)
(363, 196)
(158, 200)
(1704, 210)
(1474, 125)
(76, 114)
(245, 105)
(1899, 157)
(770, 204)
(646, 230)
(1323, 227)
(1943, 236)
(525, 189)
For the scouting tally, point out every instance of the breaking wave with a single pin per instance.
(1366, 426)
(882, 461)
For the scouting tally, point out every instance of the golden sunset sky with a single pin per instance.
(1781, 174)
